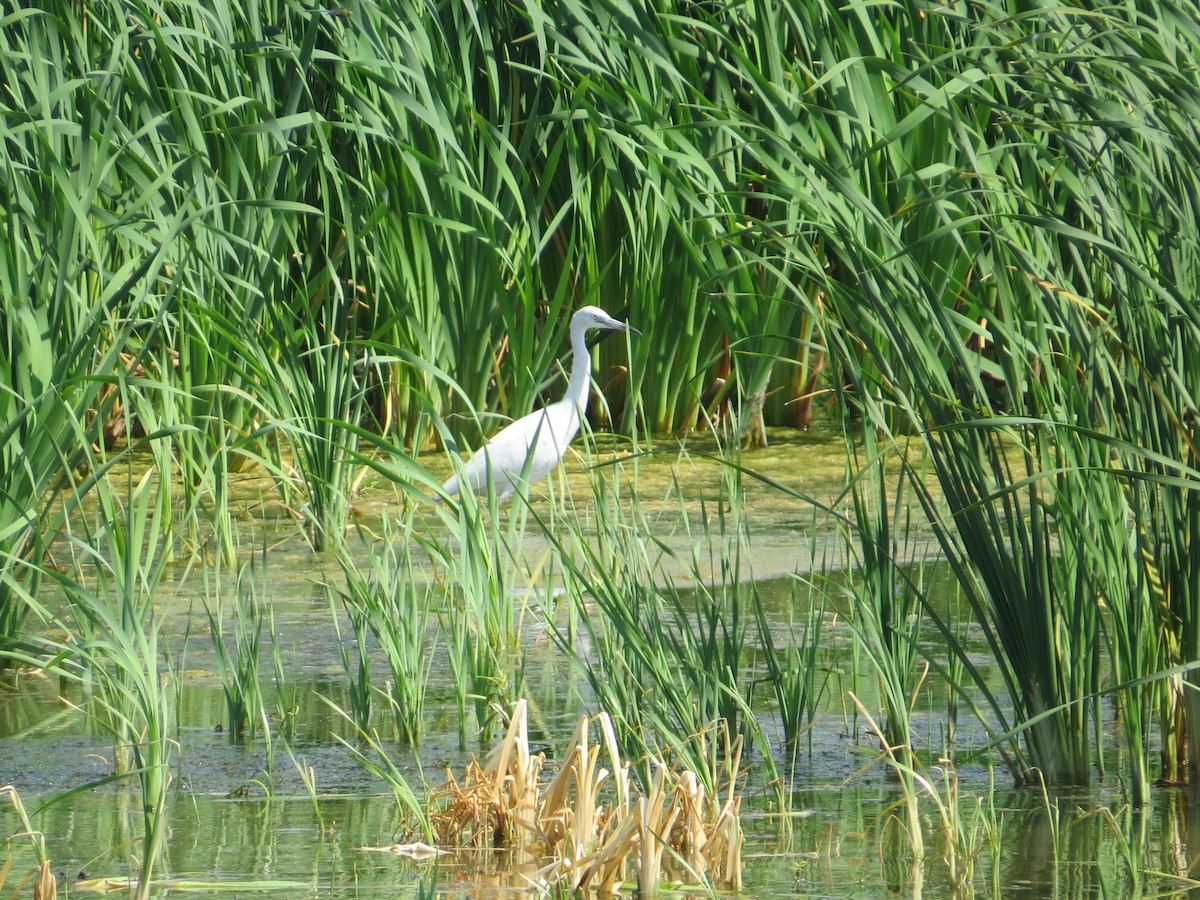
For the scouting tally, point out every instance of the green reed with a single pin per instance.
(885, 610)
(489, 582)
(1029, 320)
(480, 564)
(669, 664)
(71, 303)
(1098, 540)
(984, 222)
(938, 810)
(479, 670)
(238, 666)
(113, 646)
(286, 691)
(794, 665)
(356, 659)
(1153, 577)
(387, 596)
(717, 167)
(460, 656)
(202, 341)
(369, 752)
(315, 395)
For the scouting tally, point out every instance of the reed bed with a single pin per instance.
(383, 597)
(587, 835)
(238, 659)
(315, 242)
(106, 638)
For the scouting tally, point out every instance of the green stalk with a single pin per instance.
(386, 597)
(886, 611)
(115, 640)
(239, 666)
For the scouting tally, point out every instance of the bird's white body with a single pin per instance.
(530, 448)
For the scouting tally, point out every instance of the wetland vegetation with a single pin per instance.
(879, 551)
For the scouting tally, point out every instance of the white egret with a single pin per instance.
(529, 448)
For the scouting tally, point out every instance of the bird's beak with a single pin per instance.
(617, 325)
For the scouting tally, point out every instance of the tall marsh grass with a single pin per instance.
(662, 635)
(385, 597)
(112, 645)
(317, 241)
(238, 651)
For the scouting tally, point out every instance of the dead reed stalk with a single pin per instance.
(585, 822)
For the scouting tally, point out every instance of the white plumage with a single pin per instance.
(530, 448)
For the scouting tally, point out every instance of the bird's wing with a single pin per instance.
(544, 433)
(504, 455)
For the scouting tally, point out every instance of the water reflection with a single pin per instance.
(843, 836)
(242, 811)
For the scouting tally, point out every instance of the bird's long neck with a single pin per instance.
(581, 369)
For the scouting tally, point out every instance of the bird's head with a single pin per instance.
(594, 317)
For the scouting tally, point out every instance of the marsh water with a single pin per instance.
(295, 815)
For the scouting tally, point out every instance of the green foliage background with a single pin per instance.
(267, 224)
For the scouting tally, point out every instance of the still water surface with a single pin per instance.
(293, 817)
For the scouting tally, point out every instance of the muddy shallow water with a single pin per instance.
(294, 816)
(241, 817)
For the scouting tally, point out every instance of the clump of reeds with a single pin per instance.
(45, 884)
(590, 834)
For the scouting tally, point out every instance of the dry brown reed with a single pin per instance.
(45, 884)
(587, 824)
